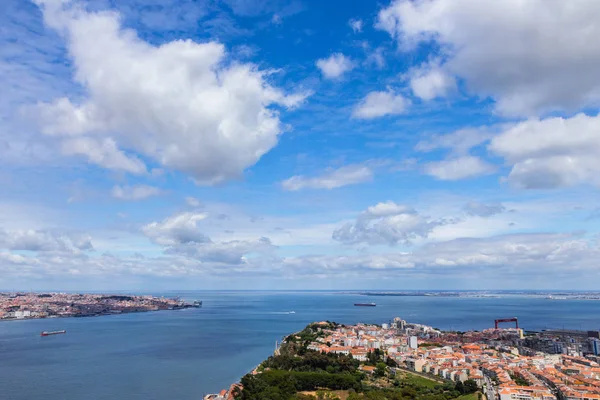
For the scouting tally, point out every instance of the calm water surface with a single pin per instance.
(184, 354)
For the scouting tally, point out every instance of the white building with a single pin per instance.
(412, 342)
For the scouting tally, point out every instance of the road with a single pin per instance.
(490, 389)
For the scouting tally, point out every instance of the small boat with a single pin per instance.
(292, 312)
(197, 304)
(365, 304)
(45, 333)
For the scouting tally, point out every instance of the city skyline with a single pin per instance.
(267, 144)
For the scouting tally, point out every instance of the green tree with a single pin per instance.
(470, 386)
(380, 369)
(460, 387)
(391, 362)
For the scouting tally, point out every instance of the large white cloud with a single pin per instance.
(541, 153)
(531, 56)
(386, 223)
(182, 104)
(347, 175)
(44, 241)
(180, 235)
(232, 252)
(551, 153)
(177, 229)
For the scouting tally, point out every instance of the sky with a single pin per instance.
(284, 145)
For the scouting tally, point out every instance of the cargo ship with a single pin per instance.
(45, 333)
(365, 304)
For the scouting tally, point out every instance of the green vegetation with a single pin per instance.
(420, 381)
(283, 385)
(311, 333)
(312, 361)
(374, 357)
(297, 373)
(430, 345)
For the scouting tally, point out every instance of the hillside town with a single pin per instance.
(506, 364)
(14, 306)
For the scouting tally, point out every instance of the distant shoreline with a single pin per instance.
(92, 315)
(27, 306)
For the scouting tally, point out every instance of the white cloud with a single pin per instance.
(553, 152)
(133, 193)
(430, 81)
(459, 168)
(180, 104)
(459, 142)
(356, 25)
(103, 153)
(44, 241)
(499, 257)
(344, 176)
(335, 65)
(545, 53)
(386, 223)
(178, 229)
(181, 236)
(376, 57)
(379, 104)
(231, 252)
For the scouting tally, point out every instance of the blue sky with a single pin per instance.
(266, 144)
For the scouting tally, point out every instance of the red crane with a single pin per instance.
(497, 321)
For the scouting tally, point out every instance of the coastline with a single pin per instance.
(27, 306)
(109, 314)
(456, 363)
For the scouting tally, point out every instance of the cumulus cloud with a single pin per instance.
(180, 235)
(429, 81)
(459, 168)
(335, 65)
(180, 104)
(550, 46)
(474, 208)
(45, 241)
(499, 257)
(104, 153)
(386, 223)
(356, 25)
(551, 153)
(231, 252)
(379, 104)
(503, 256)
(177, 229)
(335, 178)
(133, 193)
